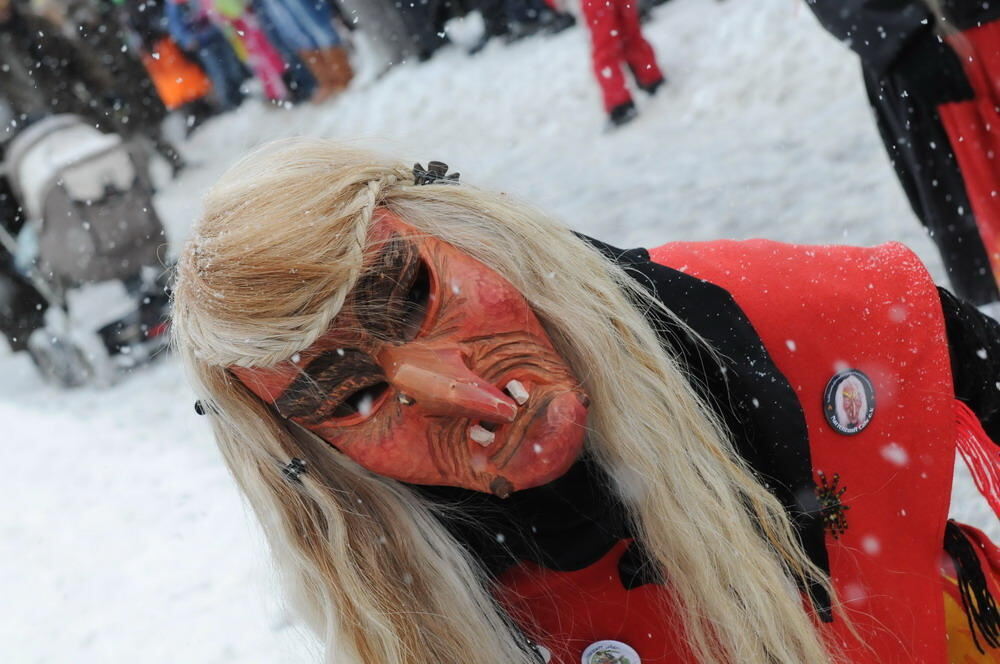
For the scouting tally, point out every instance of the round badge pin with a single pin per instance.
(849, 402)
(610, 652)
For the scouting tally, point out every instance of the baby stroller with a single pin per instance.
(90, 244)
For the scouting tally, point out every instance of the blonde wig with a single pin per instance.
(368, 563)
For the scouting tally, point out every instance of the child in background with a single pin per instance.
(616, 39)
(306, 26)
(193, 30)
(261, 57)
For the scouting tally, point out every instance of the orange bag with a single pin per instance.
(178, 81)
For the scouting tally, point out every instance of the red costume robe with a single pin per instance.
(885, 489)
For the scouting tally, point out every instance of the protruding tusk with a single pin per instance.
(515, 389)
(481, 435)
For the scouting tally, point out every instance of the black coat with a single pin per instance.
(878, 30)
(908, 73)
(47, 73)
(139, 107)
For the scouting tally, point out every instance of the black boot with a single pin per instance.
(651, 88)
(622, 114)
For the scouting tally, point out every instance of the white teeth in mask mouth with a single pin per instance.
(517, 392)
(481, 435)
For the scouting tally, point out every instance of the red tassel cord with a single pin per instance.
(980, 454)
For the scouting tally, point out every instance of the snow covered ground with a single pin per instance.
(122, 537)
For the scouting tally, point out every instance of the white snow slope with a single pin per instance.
(123, 539)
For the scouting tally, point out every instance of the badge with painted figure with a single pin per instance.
(610, 652)
(849, 402)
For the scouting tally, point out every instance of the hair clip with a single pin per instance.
(294, 468)
(203, 408)
(435, 173)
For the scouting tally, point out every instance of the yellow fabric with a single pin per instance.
(961, 646)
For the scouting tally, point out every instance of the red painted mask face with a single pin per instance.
(436, 372)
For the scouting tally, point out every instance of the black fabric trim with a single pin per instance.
(755, 400)
(979, 605)
(635, 569)
(566, 525)
(572, 522)
(974, 349)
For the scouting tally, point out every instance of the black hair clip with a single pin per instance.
(435, 173)
(294, 468)
(203, 408)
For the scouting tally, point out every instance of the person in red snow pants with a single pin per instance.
(616, 39)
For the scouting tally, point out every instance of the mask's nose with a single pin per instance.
(439, 381)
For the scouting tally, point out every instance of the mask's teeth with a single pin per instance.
(481, 435)
(515, 389)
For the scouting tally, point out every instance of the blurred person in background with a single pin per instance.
(192, 28)
(616, 41)
(931, 72)
(239, 23)
(47, 72)
(139, 111)
(514, 19)
(307, 27)
(528, 17)
(424, 23)
(180, 83)
(300, 82)
(44, 72)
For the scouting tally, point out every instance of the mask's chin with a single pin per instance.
(550, 444)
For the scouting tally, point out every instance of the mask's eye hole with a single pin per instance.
(415, 304)
(360, 402)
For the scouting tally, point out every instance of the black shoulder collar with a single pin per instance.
(741, 383)
(572, 522)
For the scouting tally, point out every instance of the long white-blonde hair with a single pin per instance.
(366, 559)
